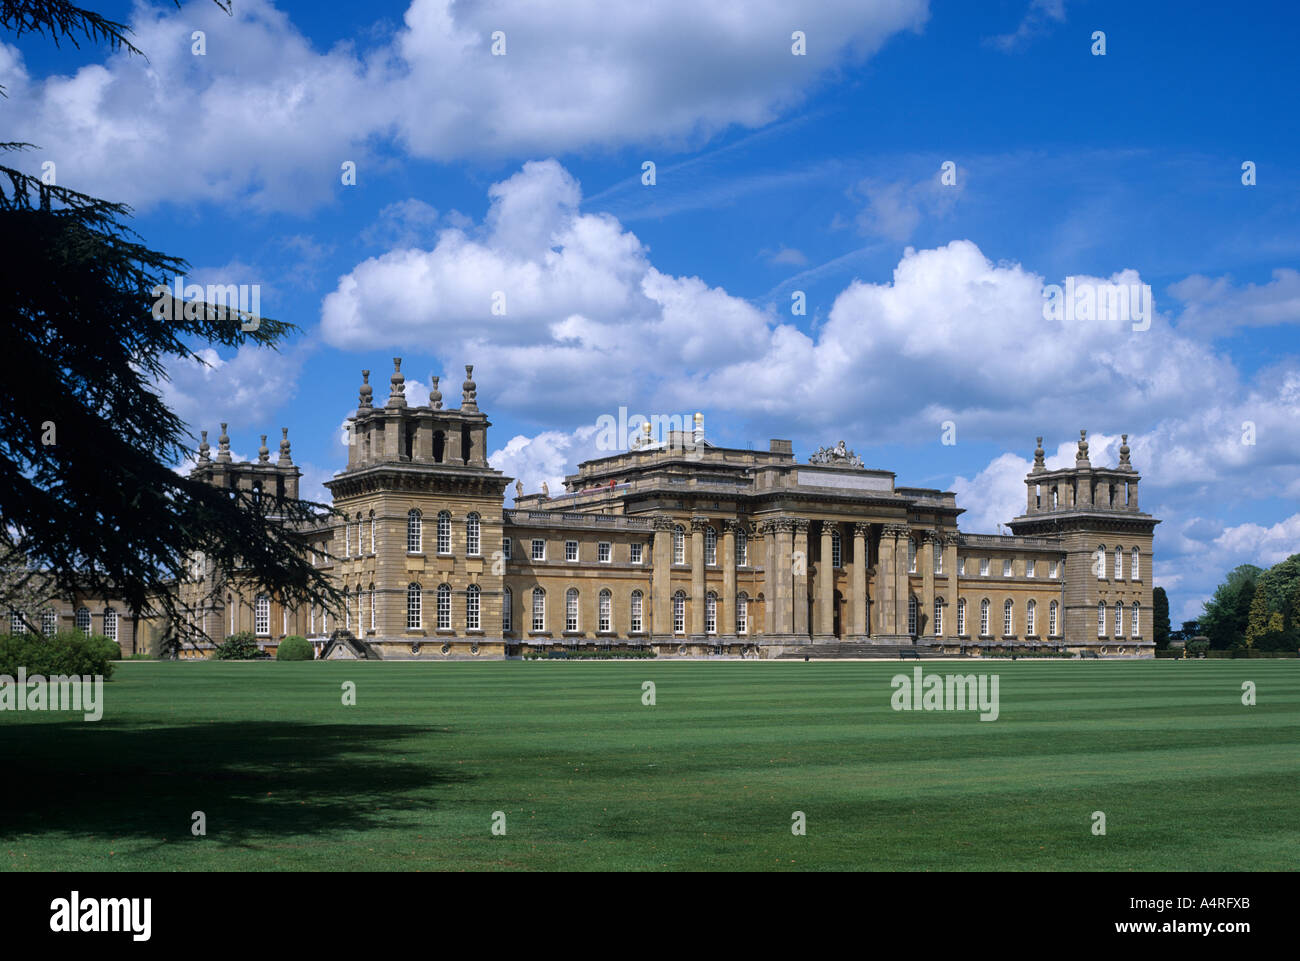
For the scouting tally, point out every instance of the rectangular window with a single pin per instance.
(539, 611)
(938, 617)
(961, 566)
(1031, 568)
(539, 549)
(837, 551)
(604, 552)
(742, 614)
(262, 616)
(635, 626)
(938, 558)
(570, 550)
(506, 613)
(505, 547)
(1055, 569)
(984, 567)
(961, 618)
(636, 553)
(1006, 568)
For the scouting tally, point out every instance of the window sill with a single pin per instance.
(416, 632)
(539, 633)
(573, 633)
(445, 632)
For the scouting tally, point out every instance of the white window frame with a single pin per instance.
(679, 544)
(571, 551)
(414, 607)
(1031, 617)
(414, 531)
(637, 609)
(985, 611)
(507, 610)
(710, 613)
(710, 547)
(539, 610)
(961, 617)
(572, 610)
(1135, 566)
(605, 613)
(913, 615)
(538, 549)
(984, 567)
(604, 552)
(1008, 618)
(473, 608)
(742, 549)
(262, 616)
(473, 535)
(1052, 611)
(742, 613)
(679, 612)
(636, 553)
(442, 599)
(444, 533)
(837, 550)
(1101, 618)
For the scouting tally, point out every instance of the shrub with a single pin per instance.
(69, 652)
(295, 648)
(237, 647)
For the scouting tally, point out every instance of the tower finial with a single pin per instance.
(469, 390)
(223, 446)
(435, 395)
(263, 452)
(397, 385)
(1039, 454)
(203, 450)
(1124, 463)
(367, 392)
(1081, 456)
(285, 459)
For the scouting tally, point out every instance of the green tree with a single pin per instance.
(88, 493)
(1257, 624)
(1227, 613)
(1160, 617)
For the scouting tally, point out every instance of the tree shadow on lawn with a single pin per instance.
(253, 782)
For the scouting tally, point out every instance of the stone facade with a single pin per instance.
(691, 550)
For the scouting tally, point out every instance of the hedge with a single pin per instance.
(295, 648)
(68, 652)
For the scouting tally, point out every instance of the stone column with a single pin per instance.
(885, 580)
(902, 580)
(727, 603)
(799, 568)
(696, 623)
(825, 586)
(858, 587)
(768, 533)
(661, 610)
(950, 594)
(929, 544)
(782, 576)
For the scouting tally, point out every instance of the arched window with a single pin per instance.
(679, 612)
(911, 615)
(1008, 617)
(1119, 618)
(444, 532)
(742, 613)
(347, 538)
(1101, 618)
(472, 539)
(1119, 563)
(1133, 566)
(414, 532)
(742, 549)
(347, 609)
(710, 613)
(444, 607)
(262, 615)
(1099, 562)
(984, 617)
(1137, 622)
(373, 615)
(110, 624)
(571, 609)
(311, 616)
(414, 598)
(837, 549)
(507, 610)
(710, 546)
(49, 623)
(1051, 619)
(539, 609)
(472, 596)
(606, 612)
(938, 617)
(636, 625)
(679, 545)
(372, 533)
(82, 620)
(1031, 618)
(961, 617)
(911, 556)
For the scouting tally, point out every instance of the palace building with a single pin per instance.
(685, 548)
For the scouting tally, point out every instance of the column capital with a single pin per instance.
(951, 539)
(735, 527)
(776, 525)
(897, 530)
(861, 529)
(699, 523)
(932, 537)
(800, 525)
(663, 522)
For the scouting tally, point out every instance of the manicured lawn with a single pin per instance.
(708, 778)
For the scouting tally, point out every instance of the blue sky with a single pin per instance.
(774, 174)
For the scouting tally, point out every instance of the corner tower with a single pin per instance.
(1107, 540)
(418, 551)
